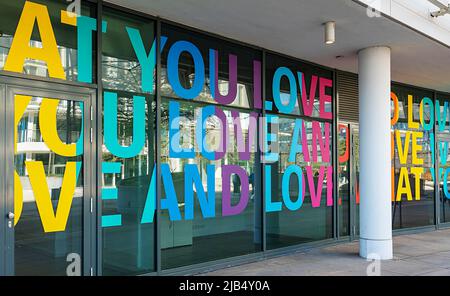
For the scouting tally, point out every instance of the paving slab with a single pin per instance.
(423, 254)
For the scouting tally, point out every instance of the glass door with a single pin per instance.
(49, 197)
(354, 217)
(344, 173)
(348, 172)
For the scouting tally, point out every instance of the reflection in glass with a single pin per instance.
(65, 35)
(356, 195)
(128, 249)
(310, 78)
(186, 69)
(203, 239)
(309, 223)
(417, 208)
(344, 178)
(37, 252)
(443, 139)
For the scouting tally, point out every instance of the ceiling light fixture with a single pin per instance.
(330, 32)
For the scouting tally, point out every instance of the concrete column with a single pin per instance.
(375, 152)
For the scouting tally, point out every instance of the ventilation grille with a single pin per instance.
(348, 97)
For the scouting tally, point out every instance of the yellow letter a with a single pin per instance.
(50, 221)
(21, 49)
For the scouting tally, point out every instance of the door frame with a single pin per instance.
(3, 211)
(353, 129)
(9, 86)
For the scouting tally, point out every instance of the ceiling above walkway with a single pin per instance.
(294, 27)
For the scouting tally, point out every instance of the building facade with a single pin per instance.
(134, 144)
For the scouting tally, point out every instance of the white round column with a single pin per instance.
(374, 152)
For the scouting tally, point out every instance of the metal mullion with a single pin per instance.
(353, 131)
(158, 150)
(335, 163)
(9, 183)
(263, 174)
(437, 205)
(97, 233)
(3, 210)
(87, 187)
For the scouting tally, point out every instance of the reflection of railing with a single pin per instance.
(35, 136)
(29, 135)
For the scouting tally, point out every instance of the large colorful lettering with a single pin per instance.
(310, 137)
(412, 138)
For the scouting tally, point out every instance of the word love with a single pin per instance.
(410, 145)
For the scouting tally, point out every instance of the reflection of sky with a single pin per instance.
(285, 98)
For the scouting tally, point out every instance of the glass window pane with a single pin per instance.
(413, 163)
(122, 69)
(199, 239)
(233, 69)
(313, 220)
(64, 34)
(297, 88)
(344, 178)
(128, 151)
(299, 99)
(443, 139)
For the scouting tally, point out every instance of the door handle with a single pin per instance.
(10, 216)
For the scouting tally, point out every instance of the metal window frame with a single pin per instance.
(98, 140)
(3, 210)
(439, 223)
(158, 257)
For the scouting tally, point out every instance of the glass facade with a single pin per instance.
(413, 157)
(206, 149)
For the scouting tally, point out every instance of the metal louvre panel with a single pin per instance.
(347, 84)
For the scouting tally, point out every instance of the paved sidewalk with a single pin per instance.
(424, 254)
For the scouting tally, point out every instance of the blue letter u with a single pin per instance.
(110, 126)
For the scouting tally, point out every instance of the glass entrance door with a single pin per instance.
(348, 170)
(355, 197)
(49, 197)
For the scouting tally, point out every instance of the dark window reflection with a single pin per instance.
(413, 181)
